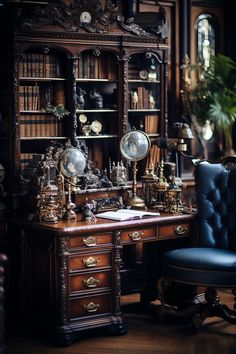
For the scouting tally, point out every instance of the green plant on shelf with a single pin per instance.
(58, 111)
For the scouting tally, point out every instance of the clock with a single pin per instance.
(143, 74)
(82, 118)
(85, 17)
(96, 127)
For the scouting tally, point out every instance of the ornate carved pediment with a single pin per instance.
(94, 16)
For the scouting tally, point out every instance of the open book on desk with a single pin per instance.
(126, 214)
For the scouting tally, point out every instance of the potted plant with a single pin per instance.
(211, 101)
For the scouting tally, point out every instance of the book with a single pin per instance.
(126, 214)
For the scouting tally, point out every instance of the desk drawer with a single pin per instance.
(90, 281)
(90, 306)
(90, 241)
(174, 230)
(89, 261)
(138, 234)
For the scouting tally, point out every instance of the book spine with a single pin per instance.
(46, 65)
(80, 67)
(28, 123)
(33, 126)
(59, 94)
(21, 98)
(22, 126)
(41, 65)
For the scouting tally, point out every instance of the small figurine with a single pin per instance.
(80, 98)
(104, 181)
(96, 99)
(152, 102)
(87, 212)
(119, 174)
(134, 100)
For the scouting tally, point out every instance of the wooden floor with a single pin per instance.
(146, 335)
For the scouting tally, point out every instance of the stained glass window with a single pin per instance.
(206, 39)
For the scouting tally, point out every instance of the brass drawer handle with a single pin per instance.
(180, 229)
(91, 307)
(136, 235)
(90, 241)
(91, 282)
(90, 262)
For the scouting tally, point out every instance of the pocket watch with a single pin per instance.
(96, 127)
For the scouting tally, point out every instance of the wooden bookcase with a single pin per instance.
(108, 74)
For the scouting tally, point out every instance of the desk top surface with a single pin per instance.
(80, 226)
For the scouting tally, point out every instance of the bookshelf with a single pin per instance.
(41, 89)
(89, 83)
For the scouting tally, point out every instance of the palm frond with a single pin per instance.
(214, 98)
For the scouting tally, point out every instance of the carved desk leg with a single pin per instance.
(120, 326)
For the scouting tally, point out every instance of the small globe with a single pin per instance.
(135, 145)
(2, 173)
(72, 162)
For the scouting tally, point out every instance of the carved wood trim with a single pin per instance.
(103, 16)
(117, 259)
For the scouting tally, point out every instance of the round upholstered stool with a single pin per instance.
(201, 266)
(209, 267)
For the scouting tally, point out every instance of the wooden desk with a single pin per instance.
(70, 272)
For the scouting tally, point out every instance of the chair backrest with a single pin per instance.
(216, 201)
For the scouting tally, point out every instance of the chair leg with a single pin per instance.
(211, 297)
(214, 308)
(162, 285)
(201, 307)
(174, 311)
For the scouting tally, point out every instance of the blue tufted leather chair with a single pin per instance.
(212, 264)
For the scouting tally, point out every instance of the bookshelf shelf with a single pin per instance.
(46, 79)
(44, 138)
(151, 82)
(36, 112)
(96, 111)
(143, 110)
(96, 80)
(99, 136)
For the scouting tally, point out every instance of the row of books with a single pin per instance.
(134, 71)
(39, 125)
(40, 65)
(89, 66)
(141, 98)
(28, 164)
(30, 159)
(29, 98)
(96, 67)
(151, 124)
(37, 97)
(153, 157)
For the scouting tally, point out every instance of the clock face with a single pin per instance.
(96, 126)
(85, 17)
(82, 118)
(143, 75)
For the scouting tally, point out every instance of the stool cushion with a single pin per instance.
(201, 266)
